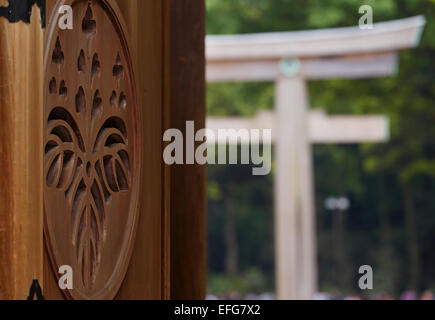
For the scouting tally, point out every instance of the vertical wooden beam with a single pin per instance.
(187, 102)
(166, 201)
(21, 74)
(145, 23)
(294, 213)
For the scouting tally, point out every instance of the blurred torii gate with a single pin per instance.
(290, 59)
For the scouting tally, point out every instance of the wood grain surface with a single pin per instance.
(21, 54)
(144, 20)
(188, 206)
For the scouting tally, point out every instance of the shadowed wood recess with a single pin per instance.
(21, 56)
(188, 207)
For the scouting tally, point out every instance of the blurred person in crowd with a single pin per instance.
(427, 295)
(409, 295)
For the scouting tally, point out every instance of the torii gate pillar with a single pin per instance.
(296, 270)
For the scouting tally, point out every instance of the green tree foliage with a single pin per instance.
(391, 224)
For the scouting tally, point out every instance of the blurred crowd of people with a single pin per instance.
(407, 295)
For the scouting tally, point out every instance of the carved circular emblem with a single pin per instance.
(92, 149)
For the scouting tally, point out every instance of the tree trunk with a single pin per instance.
(411, 234)
(232, 251)
(342, 273)
(384, 221)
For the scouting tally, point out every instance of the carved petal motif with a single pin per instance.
(91, 137)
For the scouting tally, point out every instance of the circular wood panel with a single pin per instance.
(92, 139)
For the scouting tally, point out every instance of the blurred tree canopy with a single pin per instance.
(391, 223)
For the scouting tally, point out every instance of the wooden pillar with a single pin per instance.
(294, 213)
(187, 102)
(166, 41)
(21, 62)
(179, 27)
(147, 276)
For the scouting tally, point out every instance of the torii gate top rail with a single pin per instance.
(318, 54)
(384, 37)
